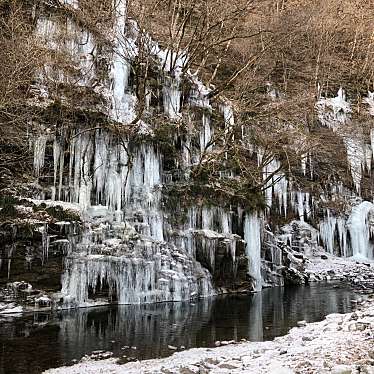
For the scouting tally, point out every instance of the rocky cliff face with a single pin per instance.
(121, 213)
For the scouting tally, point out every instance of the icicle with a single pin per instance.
(205, 134)
(277, 184)
(304, 160)
(228, 115)
(342, 233)
(356, 159)
(144, 277)
(73, 3)
(370, 101)
(252, 236)
(39, 153)
(327, 231)
(171, 97)
(333, 112)
(45, 243)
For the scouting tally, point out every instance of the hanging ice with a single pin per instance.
(171, 97)
(360, 226)
(39, 153)
(252, 236)
(276, 182)
(150, 274)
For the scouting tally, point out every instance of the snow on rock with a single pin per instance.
(11, 308)
(347, 270)
(341, 343)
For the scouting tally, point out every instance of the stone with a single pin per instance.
(354, 316)
(229, 365)
(367, 369)
(211, 361)
(301, 323)
(247, 360)
(342, 369)
(307, 338)
(191, 369)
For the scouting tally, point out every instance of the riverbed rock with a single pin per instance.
(342, 369)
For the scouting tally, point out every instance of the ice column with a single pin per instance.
(361, 231)
(39, 153)
(252, 236)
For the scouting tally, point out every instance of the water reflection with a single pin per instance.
(35, 343)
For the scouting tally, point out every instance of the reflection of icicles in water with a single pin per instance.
(45, 243)
(255, 315)
(9, 253)
(252, 236)
(151, 328)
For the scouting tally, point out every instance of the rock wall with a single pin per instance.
(138, 241)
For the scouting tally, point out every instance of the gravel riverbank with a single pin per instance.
(340, 344)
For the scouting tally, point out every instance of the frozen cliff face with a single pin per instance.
(130, 250)
(146, 272)
(118, 184)
(335, 113)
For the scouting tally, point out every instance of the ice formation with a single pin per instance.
(361, 230)
(352, 235)
(276, 184)
(128, 251)
(252, 237)
(150, 272)
(333, 234)
(39, 153)
(335, 114)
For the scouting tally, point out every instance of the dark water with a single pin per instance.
(38, 342)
